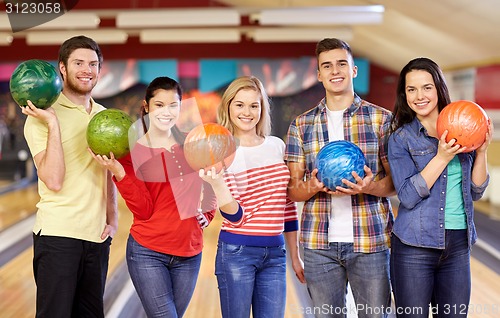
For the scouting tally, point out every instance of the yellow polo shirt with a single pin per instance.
(78, 210)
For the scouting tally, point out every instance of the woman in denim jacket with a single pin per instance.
(436, 182)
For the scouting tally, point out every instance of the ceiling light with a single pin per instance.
(58, 37)
(299, 34)
(190, 36)
(177, 18)
(72, 20)
(346, 15)
(69, 20)
(5, 38)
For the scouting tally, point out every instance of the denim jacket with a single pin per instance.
(420, 219)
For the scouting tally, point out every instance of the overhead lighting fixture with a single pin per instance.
(190, 36)
(177, 18)
(69, 20)
(58, 37)
(5, 38)
(345, 15)
(299, 34)
(72, 20)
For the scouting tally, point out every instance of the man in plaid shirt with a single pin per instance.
(344, 231)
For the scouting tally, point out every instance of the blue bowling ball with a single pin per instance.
(337, 160)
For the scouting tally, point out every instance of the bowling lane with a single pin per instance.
(205, 301)
(17, 205)
(17, 287)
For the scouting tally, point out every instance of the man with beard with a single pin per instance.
(77, 211)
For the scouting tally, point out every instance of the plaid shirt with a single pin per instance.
(366, 125)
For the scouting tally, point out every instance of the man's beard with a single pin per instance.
(71, 85)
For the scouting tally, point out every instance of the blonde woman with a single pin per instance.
(258, 216)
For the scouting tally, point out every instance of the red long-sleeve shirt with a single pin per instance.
(163, 193)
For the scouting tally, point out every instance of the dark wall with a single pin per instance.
(382, 87)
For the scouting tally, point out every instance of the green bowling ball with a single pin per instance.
(108, 132)
(37, 81)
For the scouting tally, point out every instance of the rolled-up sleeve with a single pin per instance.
(478, 191)
(294, 151)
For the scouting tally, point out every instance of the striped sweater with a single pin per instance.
(258, 180)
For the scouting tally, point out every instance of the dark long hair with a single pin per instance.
(168, 84)
(403, 114)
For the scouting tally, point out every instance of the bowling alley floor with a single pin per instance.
(17, 288)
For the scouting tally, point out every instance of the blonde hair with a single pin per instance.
(263, 127)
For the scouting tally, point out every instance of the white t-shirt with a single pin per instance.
(340, 223)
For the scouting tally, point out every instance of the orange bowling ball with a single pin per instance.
(209, 145)
(466, 122)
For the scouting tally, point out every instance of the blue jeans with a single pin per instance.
(165, 283)
(327, 273)
(421, 276)
(251, 277)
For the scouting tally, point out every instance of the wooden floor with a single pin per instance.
(17, 205)
(17, 288)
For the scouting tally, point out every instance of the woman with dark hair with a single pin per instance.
(403, 114)
(436, 183)
(163, 193)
